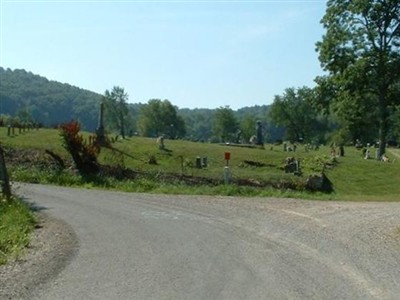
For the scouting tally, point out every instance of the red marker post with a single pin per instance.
(227, 157)
(227, 173)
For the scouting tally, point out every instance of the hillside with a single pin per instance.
(48, 102)
(51, 103)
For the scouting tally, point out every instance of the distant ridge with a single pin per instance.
(48, 102)
(51, 103)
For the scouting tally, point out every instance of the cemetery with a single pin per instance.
(176, 166)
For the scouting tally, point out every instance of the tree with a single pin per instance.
(352, 116)
(160, 118)
(225, 125)
(248, 127)
(198, 123)
(116, 107)
(361, 52)
(24, 116)
(293, 110)
(396, 124)
(394, 133)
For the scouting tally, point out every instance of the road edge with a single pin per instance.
(53, 245)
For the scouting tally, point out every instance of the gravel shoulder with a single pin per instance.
(53, 245)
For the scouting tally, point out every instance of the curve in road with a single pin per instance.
(140, 246)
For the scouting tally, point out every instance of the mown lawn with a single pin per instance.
(359, 179)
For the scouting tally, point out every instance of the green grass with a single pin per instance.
(359, 179)
(353, 177)
(43, 138)
(16, 225)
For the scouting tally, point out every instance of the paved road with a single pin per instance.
(139, 246)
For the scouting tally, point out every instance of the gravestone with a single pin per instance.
(204, 162)
(341, 150)
(367, 154)
(253, 140)
(198, 162)
(319, 183)
(291, 165)
(160, 142)
(377, 154)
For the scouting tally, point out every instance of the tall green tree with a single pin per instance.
(225, 124)
(353, 116)
(160, 118)
(395, 118)
(294, 111)
(248, 127)
(361, 52)
(24, 115)
(198, 123)
(116, 108)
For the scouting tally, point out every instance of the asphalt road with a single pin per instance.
(139, 246)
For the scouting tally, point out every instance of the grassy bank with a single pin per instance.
(353, 177)
(16, 225)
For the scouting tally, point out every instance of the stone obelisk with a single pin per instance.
(100, 137)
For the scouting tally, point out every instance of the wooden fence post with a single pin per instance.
(5, 181)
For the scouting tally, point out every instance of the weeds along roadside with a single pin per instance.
(17, 222)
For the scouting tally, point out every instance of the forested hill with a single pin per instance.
(26, 95)
(47, 102)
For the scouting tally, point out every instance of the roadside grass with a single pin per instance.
(353, 177)
(16, 224)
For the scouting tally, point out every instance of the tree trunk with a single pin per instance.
(383, 122)
(383, 130)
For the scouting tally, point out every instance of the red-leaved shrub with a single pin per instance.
(83, 155)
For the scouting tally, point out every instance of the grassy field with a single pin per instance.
(353, 177)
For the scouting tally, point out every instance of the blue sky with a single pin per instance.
(203, 54)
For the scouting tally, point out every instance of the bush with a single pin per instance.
(84, 156)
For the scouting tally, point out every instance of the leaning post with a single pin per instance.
(5, 181)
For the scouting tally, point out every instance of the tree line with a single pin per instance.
(161, 118)
(28, 98)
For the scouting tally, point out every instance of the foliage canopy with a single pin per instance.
(361, 52)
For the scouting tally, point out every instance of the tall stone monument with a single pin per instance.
(260, 138)
(100, 136)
